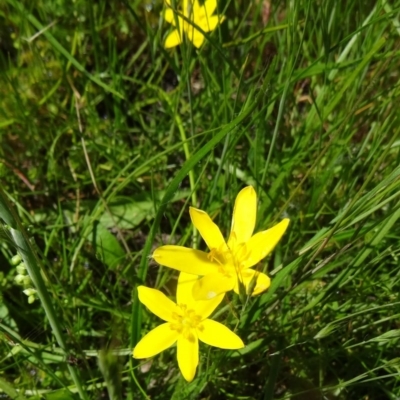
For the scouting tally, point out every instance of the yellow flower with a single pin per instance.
(227, 265)
(198, 15)
(186, 323)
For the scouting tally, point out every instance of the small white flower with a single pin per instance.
(19, 279)
(30, 291)
(21, 269)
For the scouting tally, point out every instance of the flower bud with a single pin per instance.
(29, 291)
(27, 280)
(21, 269)
(19, 279)
(16, 260)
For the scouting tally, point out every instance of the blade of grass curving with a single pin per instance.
(262, 32)
(32, 263)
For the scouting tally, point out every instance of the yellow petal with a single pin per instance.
(195, 10)
(184, 295)
(205, 308)
(169, 16)
(262, 243)
(244, 217)
(156, 341)
(195, 36)
(173, 39)
(210, 23)
(157, 302)
(188, 356)
(184, 289)
(197, 39)
(212, 285)
(209, 231)
(210, 6)
(255, 282)
(187, 8)
(218, 335)
(183, 259)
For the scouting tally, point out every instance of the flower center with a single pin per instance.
(186, 322)
(230, 260)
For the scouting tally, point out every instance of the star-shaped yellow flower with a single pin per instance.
(227, 265)
(186, 323)
(198, 15)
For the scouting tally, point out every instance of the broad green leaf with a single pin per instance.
(106, 245)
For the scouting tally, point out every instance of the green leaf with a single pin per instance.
(387, 336)
(106, 245)
(249, 348)
(128, 213)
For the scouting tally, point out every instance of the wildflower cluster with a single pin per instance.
(227, 266)
(23, 279)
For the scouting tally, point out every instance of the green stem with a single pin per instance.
(32, 263)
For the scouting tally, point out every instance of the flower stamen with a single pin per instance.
(186, 322)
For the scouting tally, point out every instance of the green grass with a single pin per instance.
(107, 139)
